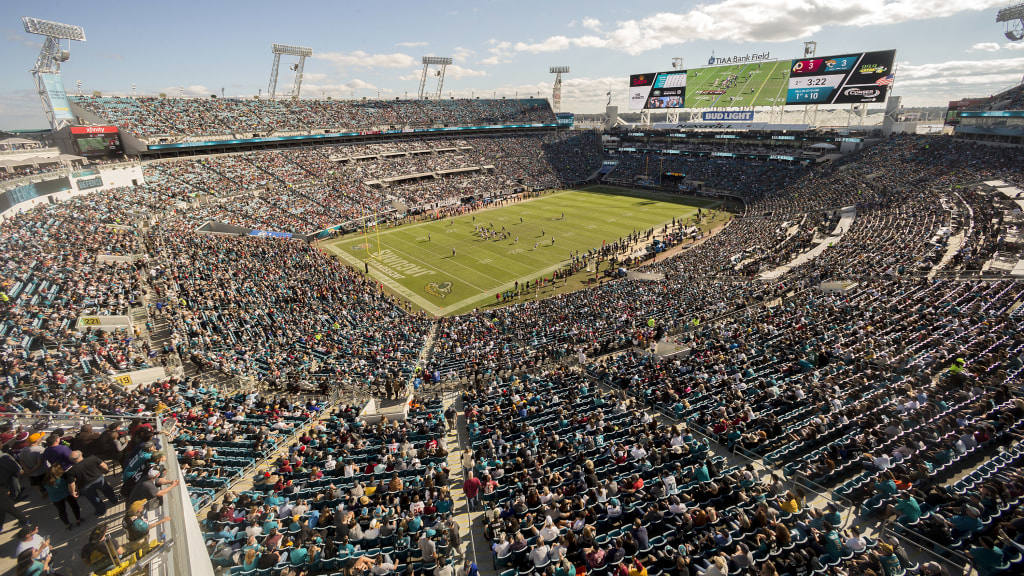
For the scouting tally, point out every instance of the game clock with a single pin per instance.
(846, 79)
(812, 89)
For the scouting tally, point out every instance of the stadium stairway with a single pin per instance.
(849, 215)
(471, 523)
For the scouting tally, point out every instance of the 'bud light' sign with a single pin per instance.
(747, 116)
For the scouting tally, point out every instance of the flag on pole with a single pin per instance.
(887, 81)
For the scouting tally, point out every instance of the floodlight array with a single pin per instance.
(53, 29)
(291, 50)
(1011, 13)
(428, 60)
(559, 69)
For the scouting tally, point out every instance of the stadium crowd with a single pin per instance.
(212, 117)
(882, 393)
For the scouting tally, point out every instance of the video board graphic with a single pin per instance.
(855, 78)
(657, 90)
(846, 79)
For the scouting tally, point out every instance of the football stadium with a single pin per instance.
(722, 334)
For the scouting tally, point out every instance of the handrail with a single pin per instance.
(968, 563)
(288, 441)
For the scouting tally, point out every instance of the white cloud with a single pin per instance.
(753, 21)
(985, 47)
(411, 44)
(455, 71)
(935, 84)
(357, 84)
(461, 54)
(20, 109)
(13, 36)
(996, 47)
(451, 72)
(360, 59)
(500, 53)
(589, 42)
(553, 44)
(355, 87)
(313, 76)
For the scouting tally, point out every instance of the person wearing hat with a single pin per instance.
(85, 477)
(95, 552)
(29, 539)
(890, 562)
(56, 452)
(136, 527)
(33, 462)
(139, 459)
(428, 550)
(148, 489)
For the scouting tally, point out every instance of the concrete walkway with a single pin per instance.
(846, 218)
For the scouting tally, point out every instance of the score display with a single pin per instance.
(844, 79)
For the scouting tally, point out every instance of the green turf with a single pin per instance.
(416, 260)
(762, 84)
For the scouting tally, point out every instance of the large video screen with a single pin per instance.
(846, 79)
(100, 144)
(956, 107)
(657, 90)
(97, 140)
(738, 85)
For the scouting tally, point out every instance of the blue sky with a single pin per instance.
(946, 49)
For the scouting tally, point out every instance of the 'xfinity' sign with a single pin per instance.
(727, 116)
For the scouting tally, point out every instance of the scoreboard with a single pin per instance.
(854, 78)
(846, 79)
(92, 141)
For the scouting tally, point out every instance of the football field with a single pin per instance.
(741, 85)
(446, 266)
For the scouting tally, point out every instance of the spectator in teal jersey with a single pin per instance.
(987, 557)
(909, 509)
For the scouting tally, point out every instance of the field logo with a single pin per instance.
(438, 289)
(363, 246)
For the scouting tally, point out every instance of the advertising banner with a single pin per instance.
(58, 98)
(744, 116)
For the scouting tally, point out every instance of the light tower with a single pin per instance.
(46, 74)
(300, 51)
(441, 63)
(556, 90)
(1013, 17)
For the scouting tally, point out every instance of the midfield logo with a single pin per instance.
(438, 289)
